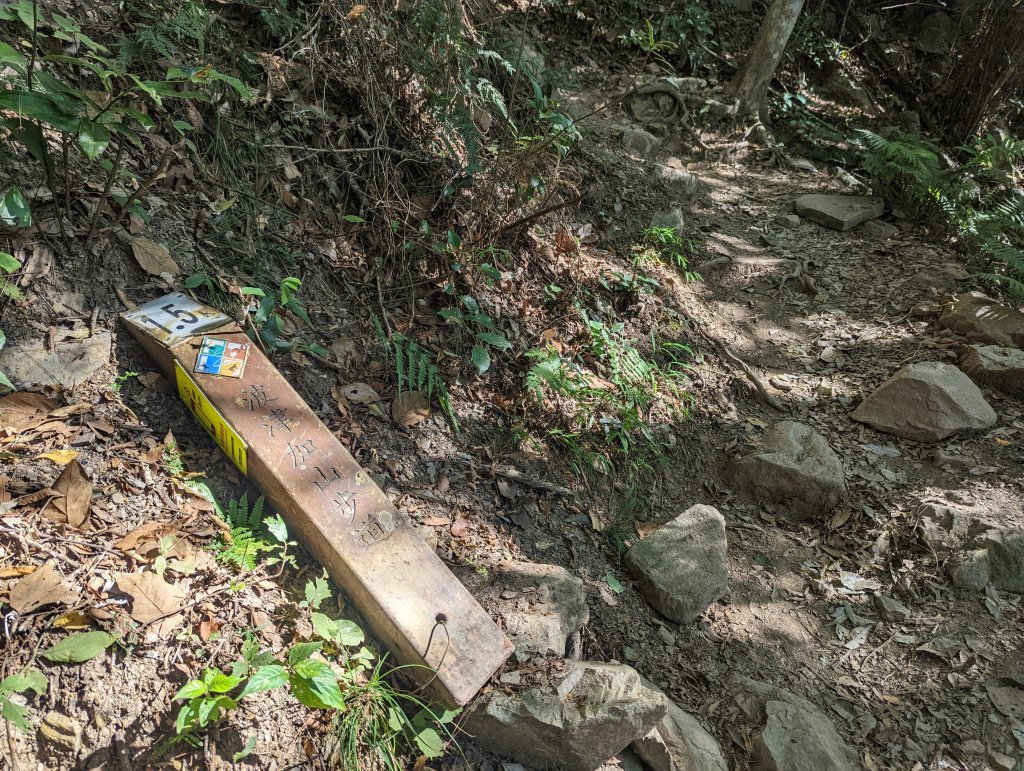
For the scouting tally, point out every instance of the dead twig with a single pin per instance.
(518, 476)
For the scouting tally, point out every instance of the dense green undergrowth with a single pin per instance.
(978, 197)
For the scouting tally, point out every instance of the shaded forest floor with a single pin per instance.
(800, 610)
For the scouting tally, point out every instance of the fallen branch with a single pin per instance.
(518, 476)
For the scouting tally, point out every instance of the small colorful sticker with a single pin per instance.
(221, 357)
(209, 418)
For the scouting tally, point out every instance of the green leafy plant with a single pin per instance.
(8, 265)
(667, 245)
(249, 533)
(416, 369)
(28, 680)
(120, 380)
(978, 199)
(471, 317)
(89, 100)
(271, 310)
(614, 402)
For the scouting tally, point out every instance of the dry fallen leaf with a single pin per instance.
(355, 13)
(151, 598)
(24, 410)
(360, 393)
(207, 627)
(459, 526)
(345, 351)
(73, 620)
(434, 521)
(75, 496)
(43, 587)
(409, 408)
(37, 266)
(60, 457)
(154, 258)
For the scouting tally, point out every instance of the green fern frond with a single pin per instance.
(492, 96)
(247, 529)
(498, 59)
(416, 370)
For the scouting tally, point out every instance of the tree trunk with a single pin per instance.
(750, 85)
(991, 69)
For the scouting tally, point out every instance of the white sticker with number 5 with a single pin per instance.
(174, 318)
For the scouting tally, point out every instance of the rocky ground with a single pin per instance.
(828, 576)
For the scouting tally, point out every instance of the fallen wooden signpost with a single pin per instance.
(409, 597)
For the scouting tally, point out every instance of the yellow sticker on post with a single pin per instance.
(210, 419)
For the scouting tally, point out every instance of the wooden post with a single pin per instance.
(411, 600)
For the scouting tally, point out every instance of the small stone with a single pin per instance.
(908, 121)
(1002, 762)
(595, 711)
(674, 173)
(61, 730)
(926, 402)
(936, 34)
(790, 221)
(553, 607)
(795, 468)
(666, 636)
(630, 653)
(971, 570)
(69, 364)
(995, 367)
(670, 219)
(890, 609)
(879, 231)
(973, 747)
(1005, 548)
(640, 142)
(679, 743)
(839, 212)
(680, 568)
(794, 734)
(984, 320)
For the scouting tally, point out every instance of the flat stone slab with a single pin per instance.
(995, 367)
(67, 365)
(839, 212)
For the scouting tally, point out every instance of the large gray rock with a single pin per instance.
(69, 364)
(679, 743)
(984, 320)
(594, 712)
(794, 468)
(680, 568)
(994, 366)
(926, 402)
(542, 605)
(839, 212)
(976, 552)
(794, 734)
(1006, 559)
(936, 34)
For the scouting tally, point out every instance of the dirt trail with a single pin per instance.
(789, 618)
